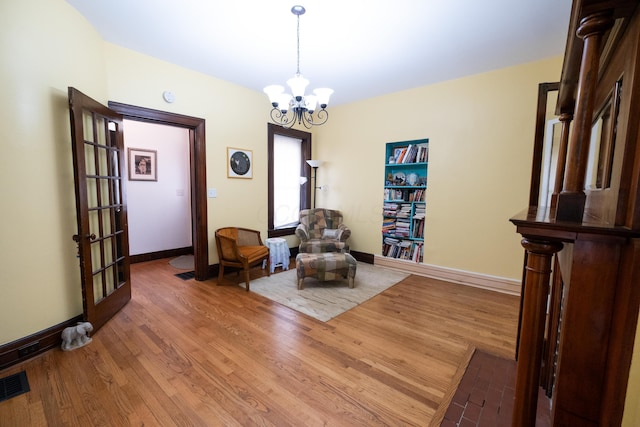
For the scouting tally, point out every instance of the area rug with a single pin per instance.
(326, 300)
(183, 262)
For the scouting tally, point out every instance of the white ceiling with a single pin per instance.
(359, 48)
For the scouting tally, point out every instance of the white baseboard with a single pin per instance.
(493, 283)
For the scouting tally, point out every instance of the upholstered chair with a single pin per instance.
(321, 230)
(240, 248)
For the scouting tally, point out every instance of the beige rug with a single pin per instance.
(326, 300)
(184, 262)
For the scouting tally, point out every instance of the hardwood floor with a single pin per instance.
(193, 353)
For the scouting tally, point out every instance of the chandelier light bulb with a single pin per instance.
(323, 95)
(310, 102)
(274, 92)
(298, 84)
(284, 101)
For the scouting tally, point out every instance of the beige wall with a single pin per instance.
(480, 130)
(46, 47)
(632, 403)
(235, 117)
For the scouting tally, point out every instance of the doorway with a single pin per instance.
(197, 175)
(159, 199)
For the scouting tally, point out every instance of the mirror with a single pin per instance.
(550, 150)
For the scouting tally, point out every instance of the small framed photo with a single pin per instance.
(143, 165)
(239, 163)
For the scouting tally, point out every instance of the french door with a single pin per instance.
(103, 243)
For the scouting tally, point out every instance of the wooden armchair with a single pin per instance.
(240, 248)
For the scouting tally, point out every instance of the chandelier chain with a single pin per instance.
(298, 65)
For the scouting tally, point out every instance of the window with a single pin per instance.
(288, 151)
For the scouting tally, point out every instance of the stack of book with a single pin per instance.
(394, 248)
(402, 227)
(388, 246)
(388, 226)
(405, 210)
(390, 209)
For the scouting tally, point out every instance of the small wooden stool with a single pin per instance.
(326, 266)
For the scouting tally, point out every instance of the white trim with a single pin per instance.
(484, 281)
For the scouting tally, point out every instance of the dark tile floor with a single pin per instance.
(485, 395)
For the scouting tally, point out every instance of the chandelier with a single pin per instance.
(298, 107)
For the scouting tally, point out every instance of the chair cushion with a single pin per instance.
(253, 253)
(331, 233)
(322, 246)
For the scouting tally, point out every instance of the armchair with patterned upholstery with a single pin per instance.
(241, 248)
(321, 230)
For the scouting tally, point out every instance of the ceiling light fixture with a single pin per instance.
(289, 109)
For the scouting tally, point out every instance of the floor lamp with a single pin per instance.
(314, 164)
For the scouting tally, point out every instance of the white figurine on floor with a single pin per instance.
(76, 336)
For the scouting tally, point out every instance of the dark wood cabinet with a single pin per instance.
(581, 281)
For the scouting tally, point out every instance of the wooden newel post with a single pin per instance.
(536, 289)
(571, 201)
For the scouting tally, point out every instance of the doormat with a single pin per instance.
(186, 276)
(13, 385)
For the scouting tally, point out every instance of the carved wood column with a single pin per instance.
(536, 289)
(572, 199)
(565, 119)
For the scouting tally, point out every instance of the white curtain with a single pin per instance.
(287, 153)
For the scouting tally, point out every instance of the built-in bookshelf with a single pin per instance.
(404, 208)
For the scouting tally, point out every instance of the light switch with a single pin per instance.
(212, 192)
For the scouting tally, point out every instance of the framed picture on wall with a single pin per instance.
(143, 165)
(239, 163)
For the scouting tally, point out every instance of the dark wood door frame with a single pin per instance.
(197, 174)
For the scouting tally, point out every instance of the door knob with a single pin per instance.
(76, 238)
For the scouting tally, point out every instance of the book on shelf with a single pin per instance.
(422, 156)
(388, 226)
(404, 211)
(405, 159)
(402, 227)
(400, 153)
(402, 249)
(412, 154)
(416, 196)
(417, 251)
(390, 209)
(418, 229)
